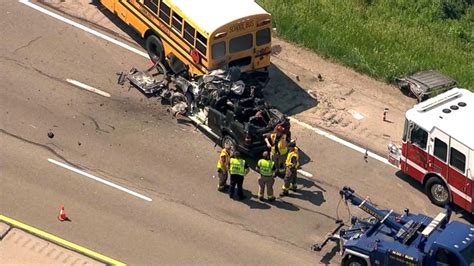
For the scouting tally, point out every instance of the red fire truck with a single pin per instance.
(438, 147)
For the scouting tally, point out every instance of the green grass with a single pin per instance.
(383, 38)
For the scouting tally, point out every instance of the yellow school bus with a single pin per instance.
(197, 36)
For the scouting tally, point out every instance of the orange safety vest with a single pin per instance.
(281, 144)
(226, 156)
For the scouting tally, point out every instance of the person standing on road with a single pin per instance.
(277, 143)
(238, 169)
(292, 163)
(266, 168)
(223, 168)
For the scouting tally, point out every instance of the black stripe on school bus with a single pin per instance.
(165, 36)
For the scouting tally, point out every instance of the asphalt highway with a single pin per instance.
(132, 141)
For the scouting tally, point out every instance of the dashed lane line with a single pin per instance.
(136, 51)
(87, 87)
(98, 179)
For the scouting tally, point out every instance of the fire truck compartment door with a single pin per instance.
(438, 153)
(459, 183)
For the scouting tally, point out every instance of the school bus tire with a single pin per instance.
(155, 48)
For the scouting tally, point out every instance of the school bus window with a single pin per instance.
(177, 22)
(201, 43)
(165, 13)
(263, 36)
(189, 32)
(218, 50)
(152, 5)
(241, 43)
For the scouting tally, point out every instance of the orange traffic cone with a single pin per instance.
(62, 215)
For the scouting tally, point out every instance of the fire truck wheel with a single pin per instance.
(354, 261)
(437, 191)
(155, 49)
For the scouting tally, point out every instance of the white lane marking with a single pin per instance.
(84, 28)
(87, 87)
(341, 141)
(307, 174)
(134, 50)
(126, 190)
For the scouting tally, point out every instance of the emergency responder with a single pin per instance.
(277, 143)
(292, 164)
(223, 167)
(266, 168)
(238, 169)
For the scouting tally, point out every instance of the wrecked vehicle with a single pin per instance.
(228, 105)
(423, 84)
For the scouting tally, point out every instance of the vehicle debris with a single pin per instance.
(425, 83)
(227, 104)
(50, 134)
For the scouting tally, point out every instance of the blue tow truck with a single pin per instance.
(388, 238)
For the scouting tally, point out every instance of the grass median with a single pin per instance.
(383, 38)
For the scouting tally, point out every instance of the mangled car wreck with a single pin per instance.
(228, 105)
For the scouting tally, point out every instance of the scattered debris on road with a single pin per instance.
(50, 134)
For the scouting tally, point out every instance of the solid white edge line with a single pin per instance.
(343, 142)
(126, 190)
(88, 88)
(134, 50)
(84, 28)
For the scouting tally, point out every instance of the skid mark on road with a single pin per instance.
(28, 44)
(43, 146)
(84, 28)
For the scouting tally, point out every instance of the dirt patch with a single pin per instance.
(314, 90)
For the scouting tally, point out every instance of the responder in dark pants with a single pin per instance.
(277, 143)
(238, 169)
(292, 164)
(223, 168)
(266, 168)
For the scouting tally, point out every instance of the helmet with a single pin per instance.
(265, 154)
(292, 144)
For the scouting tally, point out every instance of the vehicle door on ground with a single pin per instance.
(438, 154)
(215, 121)
(416, 154)
(460, 184)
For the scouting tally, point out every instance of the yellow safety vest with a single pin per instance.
(225, 154)
(237, 166)
(292, 154)
(281, 144)
(266, 167)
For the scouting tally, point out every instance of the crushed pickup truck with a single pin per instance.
(229, 105)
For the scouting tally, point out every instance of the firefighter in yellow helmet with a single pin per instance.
(223, 168)
(292, 163)
(266, 168)
(277, 142)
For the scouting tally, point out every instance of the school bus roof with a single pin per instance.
(209, 15)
